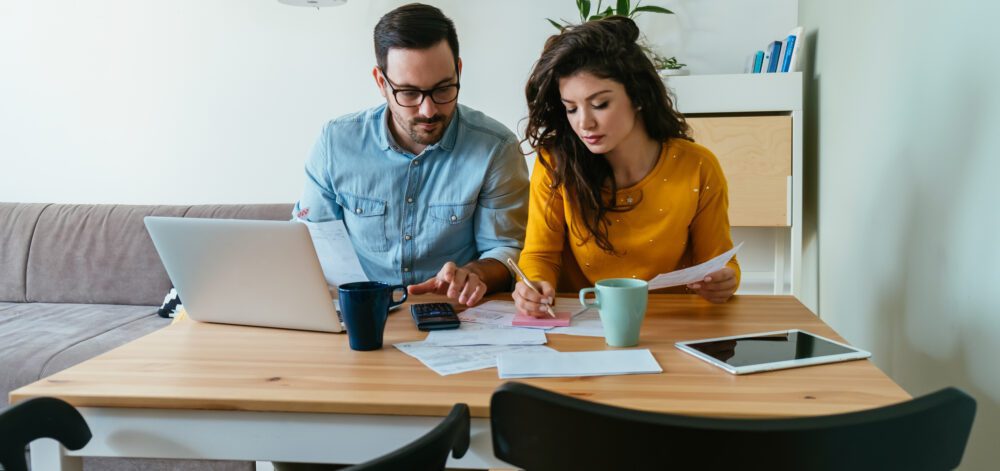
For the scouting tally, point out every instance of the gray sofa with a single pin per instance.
(79, 280)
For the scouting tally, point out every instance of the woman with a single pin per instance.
(618, 189)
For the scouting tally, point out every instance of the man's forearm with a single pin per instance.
(492, 272)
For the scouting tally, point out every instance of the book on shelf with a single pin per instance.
(796, 40)
(778, 56)
(773, 56)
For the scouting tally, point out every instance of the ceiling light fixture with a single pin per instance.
(313, 3)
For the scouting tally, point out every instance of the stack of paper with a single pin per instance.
(336, 253)
(502, 313)
(558, 364)
(451, 360)
(473, 334)
(586, 323)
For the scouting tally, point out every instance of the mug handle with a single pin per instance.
(392, 291)
(584, 303)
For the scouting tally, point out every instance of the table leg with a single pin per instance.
(49, 455)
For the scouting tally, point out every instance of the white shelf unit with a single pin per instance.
(771, 259)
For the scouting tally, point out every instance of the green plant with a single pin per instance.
(661, 62)
(626, 9)
(623, 8)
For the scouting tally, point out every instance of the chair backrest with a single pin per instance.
(43, 417)
(537, 429)
(429, 452)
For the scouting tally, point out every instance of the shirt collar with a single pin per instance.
(385, 141)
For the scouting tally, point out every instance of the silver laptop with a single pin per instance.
(261, 273)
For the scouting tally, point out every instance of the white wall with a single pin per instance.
(218, 101)
(902, 114)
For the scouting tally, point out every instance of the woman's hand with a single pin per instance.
(717, 287)
(531, 303)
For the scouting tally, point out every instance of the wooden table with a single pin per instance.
(195, 390)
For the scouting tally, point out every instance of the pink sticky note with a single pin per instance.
(561, 320)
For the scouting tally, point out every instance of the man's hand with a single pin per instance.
(717, 287)
(462, 284)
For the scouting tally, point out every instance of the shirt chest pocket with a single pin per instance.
(365, 219)
(452, 213)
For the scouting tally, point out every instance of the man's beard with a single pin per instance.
(425, 138)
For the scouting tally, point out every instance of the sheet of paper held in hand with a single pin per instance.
(558, 364)
(695, 273)
(451, 360)
(336, 253)
(482, 334)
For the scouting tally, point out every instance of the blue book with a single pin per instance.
(774, 56)
(786, 62)
(758, 60)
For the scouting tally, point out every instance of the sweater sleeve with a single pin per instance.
(709, 230)
(546, 231)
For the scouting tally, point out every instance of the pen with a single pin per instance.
(517, 270)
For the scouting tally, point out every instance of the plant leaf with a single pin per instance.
(623, 8)
(585, 10)
(557, 25)
(652, 9)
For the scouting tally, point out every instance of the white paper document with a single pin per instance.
(451, 360)
(336, 253)
(586, 323)
(695, 273)
(480, 334)
(501, 313)
(558, 364)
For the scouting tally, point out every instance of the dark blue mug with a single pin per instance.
(364, 306)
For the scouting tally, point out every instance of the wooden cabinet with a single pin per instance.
(756, 156)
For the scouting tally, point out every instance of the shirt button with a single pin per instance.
(416, 162)
(454, 217)
(357, 211)
(409, 200)
(406, 269)
(407, 237)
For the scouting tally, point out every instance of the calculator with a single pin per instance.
(434, 316)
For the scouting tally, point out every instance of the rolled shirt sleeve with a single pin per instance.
(318, 201)
(502, 208)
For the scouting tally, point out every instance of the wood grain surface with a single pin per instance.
(755, 153)
(193, 365)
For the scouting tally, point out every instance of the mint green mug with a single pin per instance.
(622, 306)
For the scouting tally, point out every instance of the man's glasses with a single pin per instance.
(411, 97)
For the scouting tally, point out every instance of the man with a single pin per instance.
(433, 193)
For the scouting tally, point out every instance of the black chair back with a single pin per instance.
(535, 429)
(429, 452)
(43, 417)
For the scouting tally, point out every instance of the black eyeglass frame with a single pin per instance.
(423, 93)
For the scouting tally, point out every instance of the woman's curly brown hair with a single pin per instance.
(607, 49)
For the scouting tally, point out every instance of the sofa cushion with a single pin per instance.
(17, 223)
(38, 339)
(96, 254)
(270, 212)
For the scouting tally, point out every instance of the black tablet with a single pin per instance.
(752, 353)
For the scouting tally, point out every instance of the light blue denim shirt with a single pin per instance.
(463, 198)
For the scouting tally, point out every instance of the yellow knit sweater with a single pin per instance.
(681, 219)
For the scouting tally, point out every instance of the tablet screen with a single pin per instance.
(769, 348)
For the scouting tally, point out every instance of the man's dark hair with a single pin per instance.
(413, 26)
